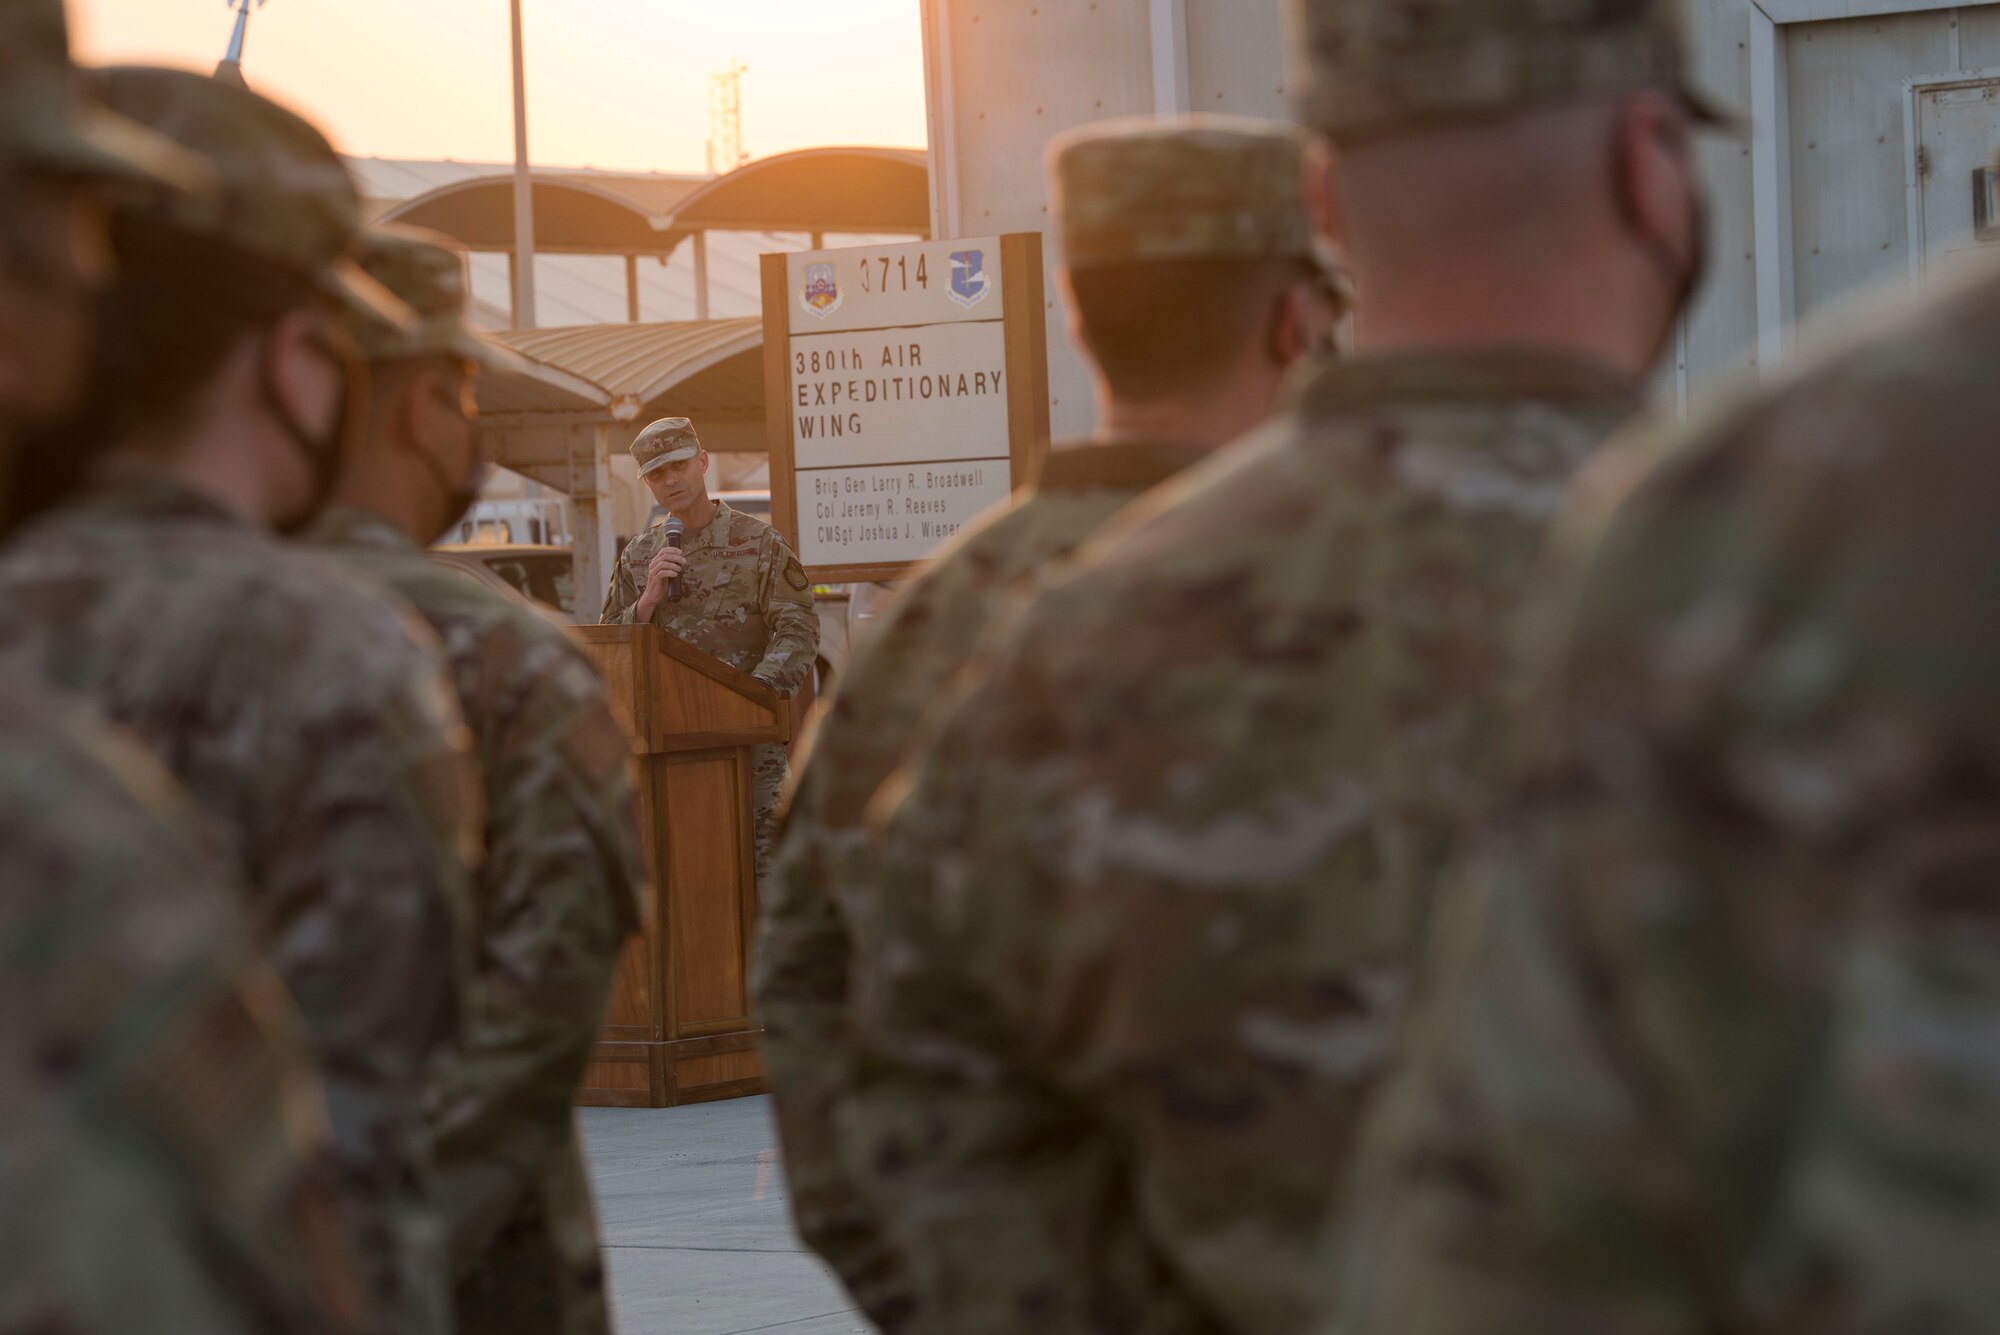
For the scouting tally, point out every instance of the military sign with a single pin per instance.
(908, 391)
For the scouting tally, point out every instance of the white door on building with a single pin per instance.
(1953, 134)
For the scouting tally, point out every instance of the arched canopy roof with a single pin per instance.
(867, 190)
(619, 377)
(537, 387)
(668, 369)
(574, 214)
(817, 190)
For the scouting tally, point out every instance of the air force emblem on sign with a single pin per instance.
(822, 293)
(969, 284)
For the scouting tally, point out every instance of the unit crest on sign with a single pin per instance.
(822, 295)
(969, 284)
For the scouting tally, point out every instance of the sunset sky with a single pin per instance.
(611, 83)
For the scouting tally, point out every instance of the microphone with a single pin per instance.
(674, 529)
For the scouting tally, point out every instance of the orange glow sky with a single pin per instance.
(611, 83)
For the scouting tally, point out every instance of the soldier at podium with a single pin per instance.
(730, 587)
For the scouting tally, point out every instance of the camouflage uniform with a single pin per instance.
(1709, 1045)
(306, 714)
(745, 599)
(825, 865)
(556, 896)
(1149, 900)
(161, 1166)
(160, 1132)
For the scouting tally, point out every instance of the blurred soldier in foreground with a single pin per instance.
(1191, 276)
(1152, 896)
(743, 596)
(559, 889)
(1709, 1043)
(159, 1126)
(296, 703)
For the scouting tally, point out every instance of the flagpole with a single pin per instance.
(524, 196)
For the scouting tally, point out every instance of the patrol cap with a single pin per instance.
(667, 441)
(1379, 67)
(48, 123)
(426, 272)
(1149, 189)
(281, 192)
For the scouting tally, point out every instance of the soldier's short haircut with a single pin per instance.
(182, 303)
(1158, 329)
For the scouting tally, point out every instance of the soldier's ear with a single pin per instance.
(1290, 335)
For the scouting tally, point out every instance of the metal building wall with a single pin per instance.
(1005, 75)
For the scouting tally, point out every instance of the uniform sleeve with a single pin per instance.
(560, 892)
(789, 612)
(184, 1076)
(621, 596)
(998, 1186)
(369, 828)
(1689, 1021)
(801, 992)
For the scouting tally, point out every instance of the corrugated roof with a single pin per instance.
(539, 388)
(399, 179)
(590, 289)
(638, 363)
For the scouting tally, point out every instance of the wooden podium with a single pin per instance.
(678, 1029)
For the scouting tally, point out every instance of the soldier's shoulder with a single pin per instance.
(91, 817)
(747, 530)
(448, 598)
(340, 613)
(1199, 539)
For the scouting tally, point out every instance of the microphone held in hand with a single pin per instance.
(674, 529)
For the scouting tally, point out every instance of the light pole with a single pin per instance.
(524, 195)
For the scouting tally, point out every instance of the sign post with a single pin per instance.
(906, 391)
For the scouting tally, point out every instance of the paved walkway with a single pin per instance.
(697, 1227)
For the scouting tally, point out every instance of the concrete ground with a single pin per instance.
(697, 1228)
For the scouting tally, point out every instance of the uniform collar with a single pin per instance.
(1131, 462)
(1498, 375)
(346, 526)
(152, 495)
(715, 533)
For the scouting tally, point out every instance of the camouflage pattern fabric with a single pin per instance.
(427, 271)
(1149, 898)
(825, 868)
(280, 191)
(746, 600)
(1151, 189)
(666, 441)
(559, 891)
(309, 718)
(152, 1094)
(1709, 1045)
(1370, 70)
(47, 124)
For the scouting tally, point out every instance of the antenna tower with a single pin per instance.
(725, 119)
(234, 56)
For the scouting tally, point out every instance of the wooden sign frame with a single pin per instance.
(1024, 316)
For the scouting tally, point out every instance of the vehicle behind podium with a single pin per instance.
(678, 1029)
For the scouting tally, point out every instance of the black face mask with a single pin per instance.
(326, 455)
(1683, 279)
(459, 497)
